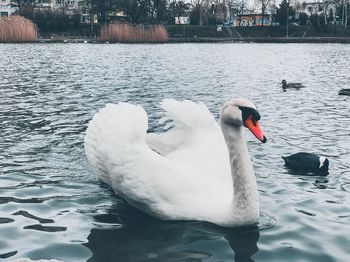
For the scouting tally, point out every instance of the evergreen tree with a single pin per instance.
(284, 11)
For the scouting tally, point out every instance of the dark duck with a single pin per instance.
(286, 85)
(344, 92)
(307, 163)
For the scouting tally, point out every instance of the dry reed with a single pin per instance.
(126, 33)
(17, 29)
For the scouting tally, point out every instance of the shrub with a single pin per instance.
(17, 29)
(126, 33)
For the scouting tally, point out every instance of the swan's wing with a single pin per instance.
(195, 137)
(116, 148)
(109, 131)
(184, 118)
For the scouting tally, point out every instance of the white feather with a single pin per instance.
(322, 160)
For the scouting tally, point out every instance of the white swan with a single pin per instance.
(194, 171)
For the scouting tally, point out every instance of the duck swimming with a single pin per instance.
(286, 85)
(344, 92)
(197, 170)
(307, 163)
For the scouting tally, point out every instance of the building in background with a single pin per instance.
(182, 20)
(253, 20)
(64, 5)
(326, 7)
(5, 8)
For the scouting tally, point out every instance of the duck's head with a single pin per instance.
(284, 83)
(324, 164)
(241, 112)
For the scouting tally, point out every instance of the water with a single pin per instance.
(52, 205)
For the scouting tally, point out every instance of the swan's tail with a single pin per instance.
(113, 127)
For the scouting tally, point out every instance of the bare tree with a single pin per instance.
(157, 11)
(64, 5)
(325, 5)
(25, 7)
(298, 7)
(236, 7)
(88, 6)
(345, 12)
(198, 6)
(212, 11)
(263, 7)
(216, 11)
(178, 8)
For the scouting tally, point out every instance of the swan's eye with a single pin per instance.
(249, 112)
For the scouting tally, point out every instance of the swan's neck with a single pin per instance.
(245, 200)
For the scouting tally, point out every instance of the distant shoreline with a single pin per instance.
(342, 40)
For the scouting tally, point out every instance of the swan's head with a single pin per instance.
(241, 112)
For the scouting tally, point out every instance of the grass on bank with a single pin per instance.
(126, 33)
(17, 29)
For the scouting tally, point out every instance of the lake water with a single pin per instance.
(52, 205)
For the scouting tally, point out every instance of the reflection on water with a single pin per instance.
(134, 236)
(52, 205)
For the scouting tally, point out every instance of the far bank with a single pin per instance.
(215, 34)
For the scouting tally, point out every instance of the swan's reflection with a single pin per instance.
(138, 237)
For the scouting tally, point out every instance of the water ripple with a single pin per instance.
(48, 192)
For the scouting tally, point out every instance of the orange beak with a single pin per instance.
(255, 128)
